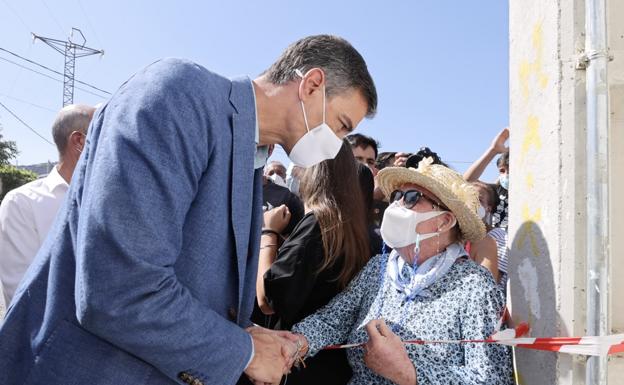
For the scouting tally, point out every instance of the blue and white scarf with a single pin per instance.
(415, 282)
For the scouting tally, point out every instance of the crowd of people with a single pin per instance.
(164, 248)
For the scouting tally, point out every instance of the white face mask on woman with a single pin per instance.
(485, 215)
(398, 227)
(316, 145)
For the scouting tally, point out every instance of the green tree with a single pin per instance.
(8, 151)
(11, 177)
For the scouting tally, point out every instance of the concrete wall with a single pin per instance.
(547, 218)
(615, 14)
(536, 183)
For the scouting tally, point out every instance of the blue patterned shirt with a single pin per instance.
(465, 303)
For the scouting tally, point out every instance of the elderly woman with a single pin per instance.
(426, 289)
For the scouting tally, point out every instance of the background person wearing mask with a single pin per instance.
(275, 194)
(161, 228)
(276, 172)
(293, 177)
(491, 251)
(474, 172)
(324, 252)
(27, 213)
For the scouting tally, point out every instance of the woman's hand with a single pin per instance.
(385, 354)
(277, 218)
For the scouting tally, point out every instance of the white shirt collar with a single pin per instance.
(54, 180)
(262, 152)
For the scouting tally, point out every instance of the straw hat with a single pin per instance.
(447, 185)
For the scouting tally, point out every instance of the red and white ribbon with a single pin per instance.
(589, 346)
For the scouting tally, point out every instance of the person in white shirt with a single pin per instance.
(27, 212)
(2, 305)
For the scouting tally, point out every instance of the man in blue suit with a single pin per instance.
(148, 274)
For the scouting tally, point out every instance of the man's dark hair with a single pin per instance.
(424, 152)
(362, 141)
(344, 67)
(503, 160)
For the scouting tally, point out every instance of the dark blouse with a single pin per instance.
(499, 218)
(295, 289)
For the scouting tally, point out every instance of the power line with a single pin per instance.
(52, 70)
(16, 15)
(86, 15)
(49, 77)
(29, 103)
(53, 17)
(28, 68)
(24, 123)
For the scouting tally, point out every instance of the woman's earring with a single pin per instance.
(438, 245)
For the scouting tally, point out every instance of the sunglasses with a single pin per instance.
(411, 198)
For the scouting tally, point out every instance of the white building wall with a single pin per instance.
(547, 189)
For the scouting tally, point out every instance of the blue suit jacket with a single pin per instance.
(149, 271)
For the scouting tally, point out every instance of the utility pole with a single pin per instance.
(73, 48)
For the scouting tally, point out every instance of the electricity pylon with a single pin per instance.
(73, 48)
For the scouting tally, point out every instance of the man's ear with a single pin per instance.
(77, 139)
(313, 81)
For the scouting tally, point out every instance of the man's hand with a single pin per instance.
(498, 144)
(274, 353)
(385, 354)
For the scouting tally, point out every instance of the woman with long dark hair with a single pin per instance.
(327, 248)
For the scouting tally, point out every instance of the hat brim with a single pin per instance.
(470, 225)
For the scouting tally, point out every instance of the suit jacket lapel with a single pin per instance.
(243, 149)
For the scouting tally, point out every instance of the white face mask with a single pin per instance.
(504, 181)
(278, 180)
(316, 145)
(292, 182)
(485, 215)
(398, 227)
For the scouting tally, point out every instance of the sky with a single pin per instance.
(440, 66)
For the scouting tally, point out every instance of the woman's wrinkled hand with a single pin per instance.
(385, 354)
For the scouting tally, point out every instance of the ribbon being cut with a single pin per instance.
(589, 346)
